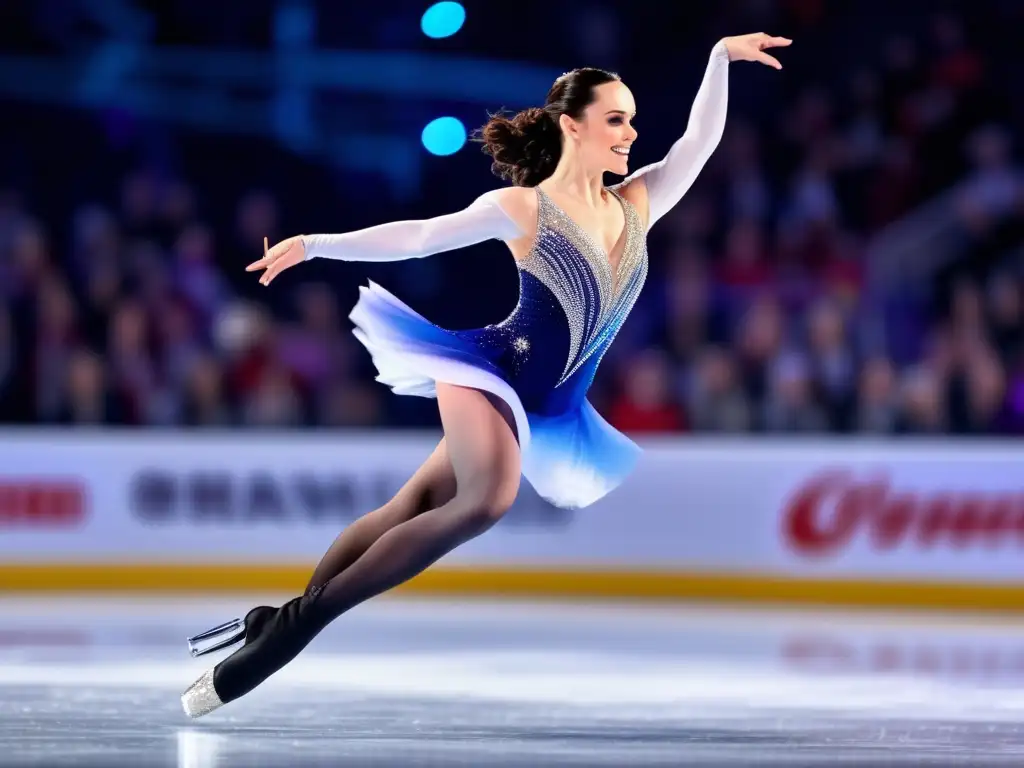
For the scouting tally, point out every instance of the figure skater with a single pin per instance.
(512, 396)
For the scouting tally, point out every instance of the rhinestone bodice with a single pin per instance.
(572, 303)
(595, 297)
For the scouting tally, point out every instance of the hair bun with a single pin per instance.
(525, 148)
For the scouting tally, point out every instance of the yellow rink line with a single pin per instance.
(527, 583)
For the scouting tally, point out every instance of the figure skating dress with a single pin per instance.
(540, 360)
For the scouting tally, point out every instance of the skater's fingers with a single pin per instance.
(261, 263)
(273, 271)
(269, 257)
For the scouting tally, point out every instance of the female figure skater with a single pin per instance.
(512, 396)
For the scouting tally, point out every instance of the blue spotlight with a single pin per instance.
(443, 19)
(444, 136)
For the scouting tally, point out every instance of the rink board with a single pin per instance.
(528, 583)
(937, 525)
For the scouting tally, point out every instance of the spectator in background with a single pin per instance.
(759, 343)
(102, 289)
(833, 365)
(985, 396)
(245, 335)
(717, 401)
(790, 405)
(198, 279)
(646, 403)
(274, 401)
(28, 262)
(130, 364)
(922, 406)
(877, 403)
(180, 338)
(315, 350)
(85, 398)
(57, 336)
(204, 403)
(688, 305)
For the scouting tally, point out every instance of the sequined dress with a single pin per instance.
(541, 359)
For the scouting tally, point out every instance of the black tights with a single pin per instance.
(462, 489)
(431, 487)
(475, 471)
(398, 554)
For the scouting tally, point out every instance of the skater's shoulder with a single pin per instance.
(518, 203)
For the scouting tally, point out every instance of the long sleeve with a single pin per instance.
(669, 179)
(484, 219)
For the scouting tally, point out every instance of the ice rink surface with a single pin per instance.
(96, 682)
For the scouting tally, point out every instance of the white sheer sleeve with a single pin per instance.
(669, 179)
(484, 219)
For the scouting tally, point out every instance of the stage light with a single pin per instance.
(443, 19)
(444, 136)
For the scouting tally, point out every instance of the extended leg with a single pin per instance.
(484, 454)
(432, 485)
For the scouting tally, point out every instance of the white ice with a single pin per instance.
(97, 681)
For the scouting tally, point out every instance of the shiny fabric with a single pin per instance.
(541, 359)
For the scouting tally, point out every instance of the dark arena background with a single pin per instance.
(818, 560)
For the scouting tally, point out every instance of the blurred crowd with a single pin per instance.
(772, 318)
(760, 314)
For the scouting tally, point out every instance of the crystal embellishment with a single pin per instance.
(201, 698)
(595, 298)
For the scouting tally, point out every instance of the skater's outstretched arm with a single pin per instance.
(484, 219)
(669, 179)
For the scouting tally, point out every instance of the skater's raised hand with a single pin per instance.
(276, 260)
(751, 48)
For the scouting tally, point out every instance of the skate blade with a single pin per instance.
(235, 631)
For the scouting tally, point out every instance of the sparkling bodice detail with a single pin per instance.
(572, 303)
(595, 296)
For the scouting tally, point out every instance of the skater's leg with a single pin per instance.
(431, 486)
(484, 454)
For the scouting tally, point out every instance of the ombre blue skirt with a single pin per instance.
(570, 454)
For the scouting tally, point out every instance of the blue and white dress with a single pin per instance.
(542, 358)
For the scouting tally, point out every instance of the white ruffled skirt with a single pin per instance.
(572, 459)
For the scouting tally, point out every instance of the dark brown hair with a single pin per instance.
(526, 147)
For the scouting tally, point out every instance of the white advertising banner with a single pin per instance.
(908, 511)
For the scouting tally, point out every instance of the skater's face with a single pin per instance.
(605, 133)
